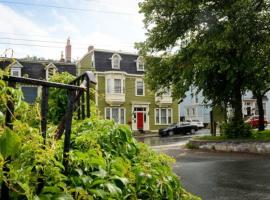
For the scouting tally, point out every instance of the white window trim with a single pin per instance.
(113, 92)
(167, 123)
(119, 113)
(112, 60)
(15, 69)
(50, 66)
(137, 64)
(136, 81)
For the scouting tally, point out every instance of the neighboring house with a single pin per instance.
(38, 69)
(122, 94)
(35, 69)
(250, 107)
(194, 108)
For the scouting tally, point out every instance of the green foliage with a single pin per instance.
(261, 135)
(235, 129)
(105, 162)
(58, 97)
(219, 47)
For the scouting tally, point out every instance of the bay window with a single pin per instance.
(115, 86)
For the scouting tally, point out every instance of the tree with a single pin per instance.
(260, 78)
(208, 43)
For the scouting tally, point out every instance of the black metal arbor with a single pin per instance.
(78, 92)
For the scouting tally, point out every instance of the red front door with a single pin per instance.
(139, 120)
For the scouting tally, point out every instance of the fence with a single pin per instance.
(76, 100)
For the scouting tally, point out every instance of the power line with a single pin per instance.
(43, 46)
(30, 40)
(58, 42)
(66, 8)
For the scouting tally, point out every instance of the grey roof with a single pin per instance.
(36, 69)
(127, 64)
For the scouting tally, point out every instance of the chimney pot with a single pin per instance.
(90, 48)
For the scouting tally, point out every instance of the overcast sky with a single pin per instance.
(106, 24)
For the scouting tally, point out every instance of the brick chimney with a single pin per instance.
(68, 51)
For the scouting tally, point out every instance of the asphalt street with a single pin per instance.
(216, 176)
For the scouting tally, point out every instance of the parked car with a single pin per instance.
(197, 123)
(178, 129)
(254, 121)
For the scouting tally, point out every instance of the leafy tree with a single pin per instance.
(206, 44)
(260, 78)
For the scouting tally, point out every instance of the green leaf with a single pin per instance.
(99, 193)
(9, 143)
(101, 173)
(113, 188)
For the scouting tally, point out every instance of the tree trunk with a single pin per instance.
(237, 105)
(261, 112)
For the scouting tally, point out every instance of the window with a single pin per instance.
(163, 116)
(139, 88)
(116, 58)
(30, 93)
(115, 86)
(16, 72)
(116, 114)
(140, 64)
(50, 70)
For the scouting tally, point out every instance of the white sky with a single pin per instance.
(21, 24)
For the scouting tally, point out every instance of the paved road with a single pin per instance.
(217, 176)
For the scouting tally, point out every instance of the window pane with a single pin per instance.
(15, 73)
(139, 87)
(108, 113)
(109, 85)
(115, 115)
(163, 116)
(116, 62)
(140, 64)
(169, 116)
(117, 85)
(157, 116)
(122, 116)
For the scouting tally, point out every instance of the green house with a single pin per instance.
(122, 95)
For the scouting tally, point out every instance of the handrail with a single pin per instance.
(32, 81)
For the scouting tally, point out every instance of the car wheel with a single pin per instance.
(192, 131)
(170, 133)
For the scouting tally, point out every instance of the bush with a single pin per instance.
(106, 162)
(236, 129)
(58, 97)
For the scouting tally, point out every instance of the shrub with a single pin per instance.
(58, 97)
(236, 129)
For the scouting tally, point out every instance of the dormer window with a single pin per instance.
(50, 70)
(140, 64)
(16, 72)
(116, 58)
(16, 69)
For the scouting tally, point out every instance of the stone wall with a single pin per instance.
(233, 146)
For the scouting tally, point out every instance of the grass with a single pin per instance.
(256, 136)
